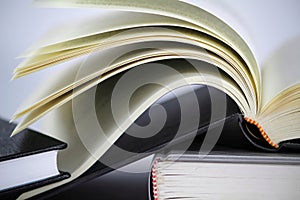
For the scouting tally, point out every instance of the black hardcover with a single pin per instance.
(26, 143)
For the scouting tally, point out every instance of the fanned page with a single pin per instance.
(56, 39)
(178, 10)
(71, 40)
(107, 69)
(40, 61)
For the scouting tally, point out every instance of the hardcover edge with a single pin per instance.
(15, 192)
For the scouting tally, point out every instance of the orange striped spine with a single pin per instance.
(262, 132)
(154, 181)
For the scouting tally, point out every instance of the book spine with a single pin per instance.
(262, 132)
(256, 135)
(154, 181)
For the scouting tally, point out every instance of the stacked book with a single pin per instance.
(164, 77)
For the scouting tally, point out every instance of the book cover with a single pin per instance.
(16, 152)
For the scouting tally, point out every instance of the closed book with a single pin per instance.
(27, 161)
(228, 174)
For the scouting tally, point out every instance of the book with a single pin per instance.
(128, 61)
(27, 161)
(226, 174)
(165, 140)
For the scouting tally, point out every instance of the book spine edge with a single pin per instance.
(262, 132)
(154, 180)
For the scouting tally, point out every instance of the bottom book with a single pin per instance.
(27, 161)
(226, 175)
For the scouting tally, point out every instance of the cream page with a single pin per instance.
(271, 31)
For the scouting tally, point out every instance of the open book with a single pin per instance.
(111, 82)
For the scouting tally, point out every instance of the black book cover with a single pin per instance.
(26, 143)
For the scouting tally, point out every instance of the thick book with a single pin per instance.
(134, 57)
(226, 174)
(27, 161)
